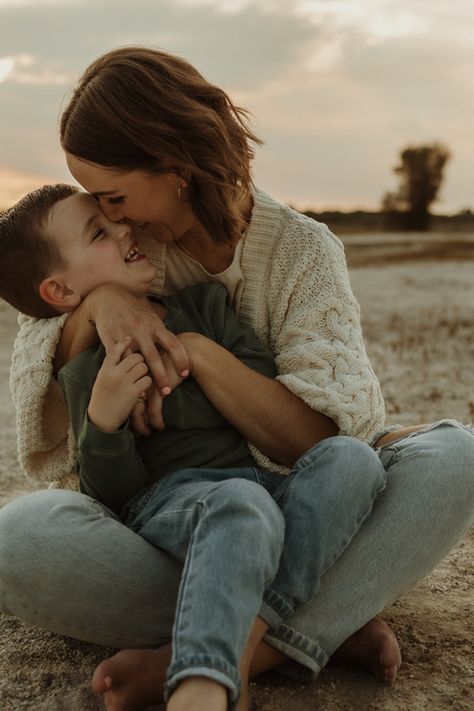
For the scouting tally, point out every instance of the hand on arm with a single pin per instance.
(280, 424)
(146, 415)
(119, 383)
(110, 313)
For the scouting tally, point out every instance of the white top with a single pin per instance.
(181, 269)
(297, 297)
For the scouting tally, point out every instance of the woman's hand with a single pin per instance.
(117, 314)
(149, 413)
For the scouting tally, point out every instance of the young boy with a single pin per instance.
(192, 489)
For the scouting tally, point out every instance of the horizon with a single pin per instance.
(336, 88)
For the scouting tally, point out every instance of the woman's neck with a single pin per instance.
(214, 257)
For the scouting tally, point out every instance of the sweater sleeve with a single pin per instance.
(46, 446)
(316, 333)
(109, 467)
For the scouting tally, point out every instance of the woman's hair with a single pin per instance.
(143, 109)
(27, 253)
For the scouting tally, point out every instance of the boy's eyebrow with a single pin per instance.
(88, 223)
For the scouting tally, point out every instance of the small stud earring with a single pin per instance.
(183, 193)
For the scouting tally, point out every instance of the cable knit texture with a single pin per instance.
(296, 297)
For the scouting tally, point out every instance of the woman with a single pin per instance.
(158, 145)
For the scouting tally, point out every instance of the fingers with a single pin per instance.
(177, 352)
(156, 366)
(115, 351)
(155, 409)
(139, 419)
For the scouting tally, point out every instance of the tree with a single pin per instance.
(421, 175)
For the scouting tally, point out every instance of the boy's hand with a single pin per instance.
(120, 383)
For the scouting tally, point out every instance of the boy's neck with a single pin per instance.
(157, 306)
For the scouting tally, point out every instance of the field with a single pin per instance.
(417, 305)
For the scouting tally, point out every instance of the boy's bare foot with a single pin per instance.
(373, 648)
(132, 678)
(198, 693)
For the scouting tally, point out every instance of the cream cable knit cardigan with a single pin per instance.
(297, 298)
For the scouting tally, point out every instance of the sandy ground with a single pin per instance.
(418, 321)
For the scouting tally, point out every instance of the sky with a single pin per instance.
(336, 88)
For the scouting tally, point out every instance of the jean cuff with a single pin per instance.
(205, 665)
(302, 650)
(274, 608)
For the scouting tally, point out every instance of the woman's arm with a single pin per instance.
(110, 313)
(279, 423)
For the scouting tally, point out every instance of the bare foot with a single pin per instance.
(374, 648)
(198, 694)
(132, 678)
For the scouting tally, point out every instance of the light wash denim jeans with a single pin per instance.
(70, 566)
(230, 535)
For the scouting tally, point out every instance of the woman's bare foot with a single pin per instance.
(132, 678)
(198, 693)
(373, 648)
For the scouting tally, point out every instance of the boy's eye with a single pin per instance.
(115, 200)
(98, 234)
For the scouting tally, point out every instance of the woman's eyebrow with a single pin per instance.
(104, 192)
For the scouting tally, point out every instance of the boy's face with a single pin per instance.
(96, 251)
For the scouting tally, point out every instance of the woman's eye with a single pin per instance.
(99, 234)
(115, 200)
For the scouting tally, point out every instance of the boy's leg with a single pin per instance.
(212, 526)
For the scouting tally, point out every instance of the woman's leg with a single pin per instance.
(427, 507)
(324, 501)
(70, 566)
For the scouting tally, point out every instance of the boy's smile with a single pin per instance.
(95, 250)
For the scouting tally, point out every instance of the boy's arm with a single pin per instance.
(109, 467)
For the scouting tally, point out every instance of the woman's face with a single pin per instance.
(151, 200)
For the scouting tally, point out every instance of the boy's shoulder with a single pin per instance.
(84, 367)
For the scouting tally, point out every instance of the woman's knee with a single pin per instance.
(455, 457)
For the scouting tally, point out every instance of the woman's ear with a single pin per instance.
(56, 292)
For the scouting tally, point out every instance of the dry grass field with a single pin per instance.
(418, 317)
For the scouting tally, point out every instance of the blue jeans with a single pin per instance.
(210, 520)
(67, 564)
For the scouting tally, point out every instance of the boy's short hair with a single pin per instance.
(27, 254)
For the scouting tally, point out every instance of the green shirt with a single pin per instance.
(114, 467)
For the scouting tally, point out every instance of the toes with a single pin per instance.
(391, 675)
(101, 680)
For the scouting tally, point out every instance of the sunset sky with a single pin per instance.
(336, 87)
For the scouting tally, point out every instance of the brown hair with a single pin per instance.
(27, 255)
(139, 108)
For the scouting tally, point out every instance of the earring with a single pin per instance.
(183, 193)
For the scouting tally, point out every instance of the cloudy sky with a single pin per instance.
(336, 87)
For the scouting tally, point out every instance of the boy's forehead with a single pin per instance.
(74, 212)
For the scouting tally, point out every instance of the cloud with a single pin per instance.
(26, 69)
(336, 86)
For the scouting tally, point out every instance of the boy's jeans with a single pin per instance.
(229, 533)
(68, 565)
